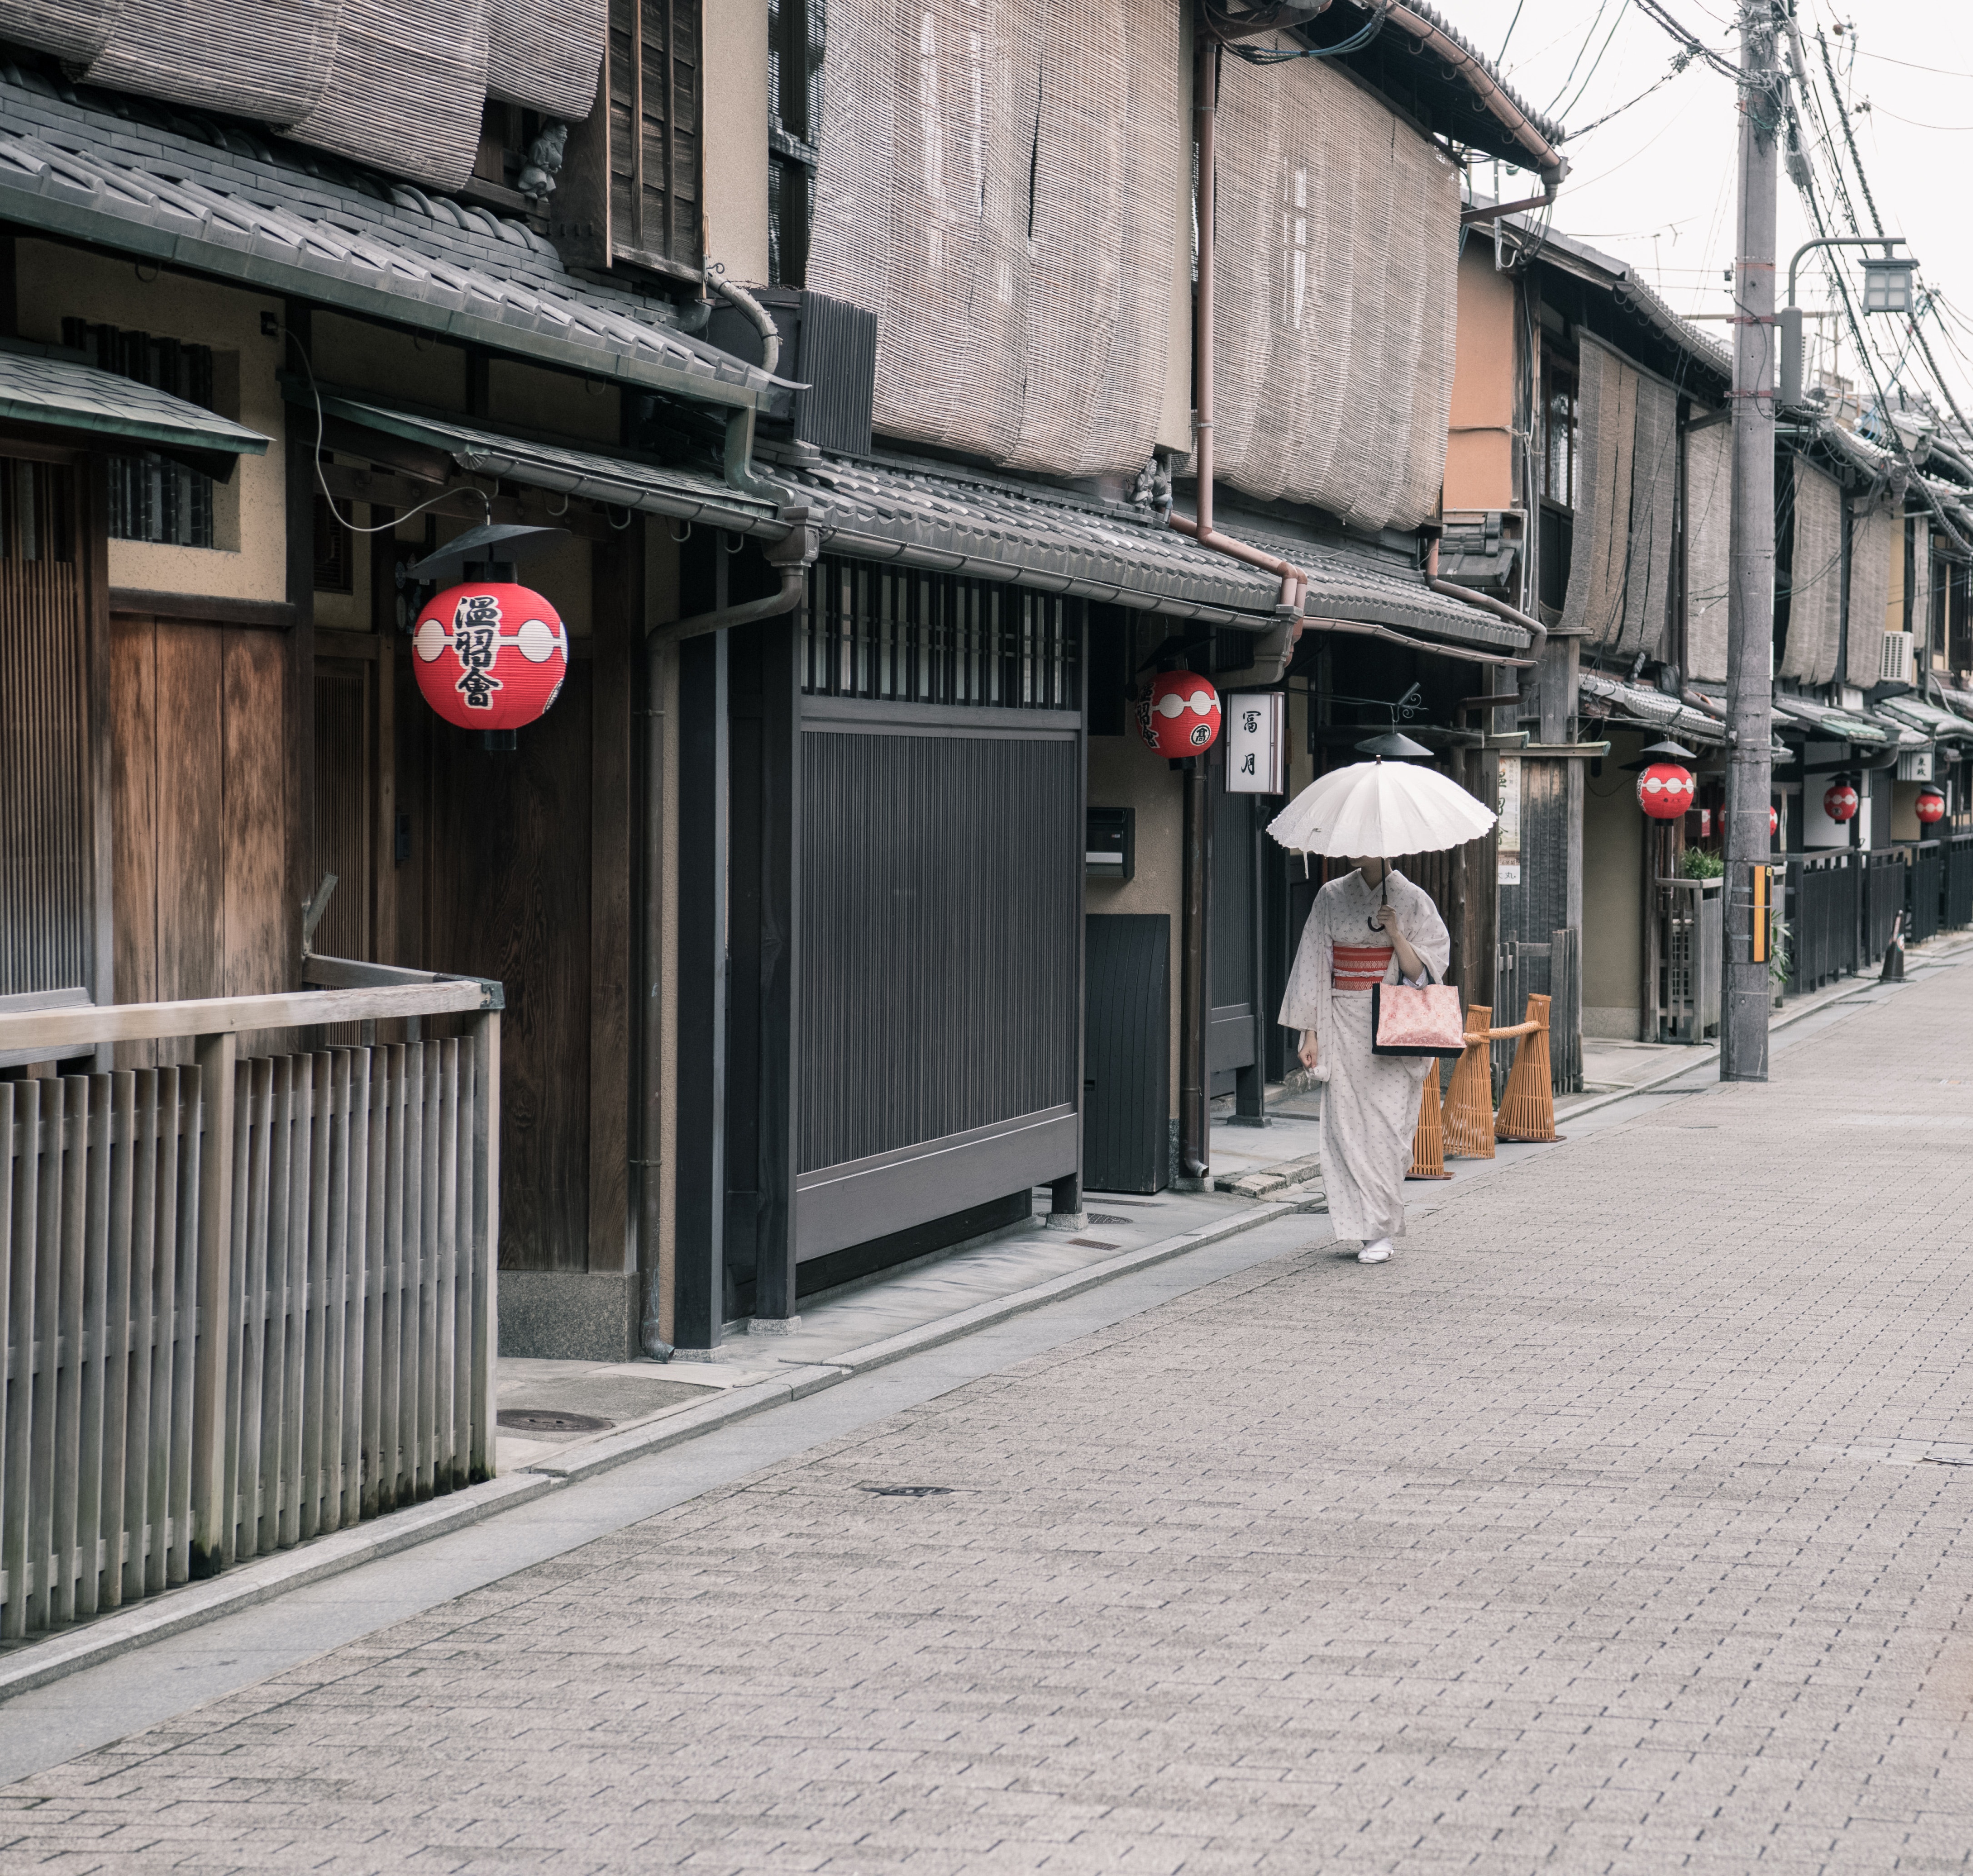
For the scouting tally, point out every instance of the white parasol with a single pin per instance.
(1377, 808)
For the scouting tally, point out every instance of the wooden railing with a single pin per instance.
(248, 1299)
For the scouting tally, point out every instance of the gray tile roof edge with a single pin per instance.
(114, 217)
(682, 494)
(198, 428)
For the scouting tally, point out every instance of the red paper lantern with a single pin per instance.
(1840, 803)
(490, 656)
(1774, 822)
(1665, 791)
(1930, 806)
(1181, 716)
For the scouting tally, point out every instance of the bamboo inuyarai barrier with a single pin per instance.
(1527, 1103)
(1468, 1117)
(1428, 1142)
(247, 1302)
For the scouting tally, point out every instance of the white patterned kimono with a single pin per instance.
(1370, 1107)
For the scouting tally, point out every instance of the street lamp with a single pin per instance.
(1887, 288)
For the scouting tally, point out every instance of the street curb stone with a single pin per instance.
(194, 1605)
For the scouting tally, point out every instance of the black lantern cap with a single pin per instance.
(1393, 744)
(499, 544)
(1655, 753)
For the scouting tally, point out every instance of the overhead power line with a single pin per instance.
(1689, 40)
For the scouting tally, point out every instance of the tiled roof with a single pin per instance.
(218, 198)
(999, 529)
(622, 481)
(1643, 705)
(1914, 713)
(1841, 725)
(37, 387)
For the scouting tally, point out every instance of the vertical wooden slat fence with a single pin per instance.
(247, 1302)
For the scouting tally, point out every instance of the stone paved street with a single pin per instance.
(1616, 1525)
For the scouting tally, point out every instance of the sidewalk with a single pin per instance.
(1619, 1524)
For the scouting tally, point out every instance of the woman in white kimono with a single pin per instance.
(1371, 925)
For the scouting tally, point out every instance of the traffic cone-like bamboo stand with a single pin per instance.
(1428, 1142)
(1468, 1119)
(1527, 1103)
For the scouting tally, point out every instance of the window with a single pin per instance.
(902, 636)
(151, 498)
(794, 121)
(1560, 422)
(507, 133)
(333, 571)
(1559, 433)
(35, 524)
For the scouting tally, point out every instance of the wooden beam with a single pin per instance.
(66, 1031)
(194, 608)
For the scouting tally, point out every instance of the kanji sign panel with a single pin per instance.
(1257, 743)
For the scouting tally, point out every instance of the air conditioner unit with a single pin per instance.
(827, 345)
(1897, 665)
(1915, 765)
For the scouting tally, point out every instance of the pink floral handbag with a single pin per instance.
(1422, 1019)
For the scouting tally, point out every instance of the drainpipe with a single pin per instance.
(1294, 582)
(793, 554)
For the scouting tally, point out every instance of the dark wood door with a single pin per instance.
(54, 874)
(1233, 916)
(202, 806)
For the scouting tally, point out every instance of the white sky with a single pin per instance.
(1655, 186)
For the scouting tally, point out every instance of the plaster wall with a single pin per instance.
(358, 356)
(734, 192)
(525, 397)
(1479, 458)
(249, 561)
(1124, 773)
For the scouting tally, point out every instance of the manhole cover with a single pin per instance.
(542, 1420)
(906, 1492)
(1108, 1218)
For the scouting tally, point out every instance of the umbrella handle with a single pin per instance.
(1383, 891)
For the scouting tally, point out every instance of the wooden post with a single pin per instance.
(485, 1033)
(779, 809)
(211, 1515)
(701, 1177)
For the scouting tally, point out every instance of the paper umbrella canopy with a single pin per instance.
(1375, 809)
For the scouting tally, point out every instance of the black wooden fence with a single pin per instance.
(1958, 880)
(1825, 927)
(1883, 899)
(1924, 885)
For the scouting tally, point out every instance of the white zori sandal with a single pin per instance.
(1378, 1253)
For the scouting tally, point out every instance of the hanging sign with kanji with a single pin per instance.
(1256, 742)
(490, 656)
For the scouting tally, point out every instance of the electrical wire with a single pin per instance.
(1603, 7)
(1282, 55)
(1679, 62)
(322, 479)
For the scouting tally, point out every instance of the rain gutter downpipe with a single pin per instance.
(1194, 1116)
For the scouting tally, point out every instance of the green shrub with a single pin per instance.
(1696, 863)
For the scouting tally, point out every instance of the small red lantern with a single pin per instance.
(1181, 716)
(1840, 803)
(1665, 791)
(1930, 806)
(490, 656)
(1774, 822)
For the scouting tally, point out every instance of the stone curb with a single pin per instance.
(194, 1605)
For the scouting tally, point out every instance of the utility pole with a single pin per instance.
(1746, 998)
